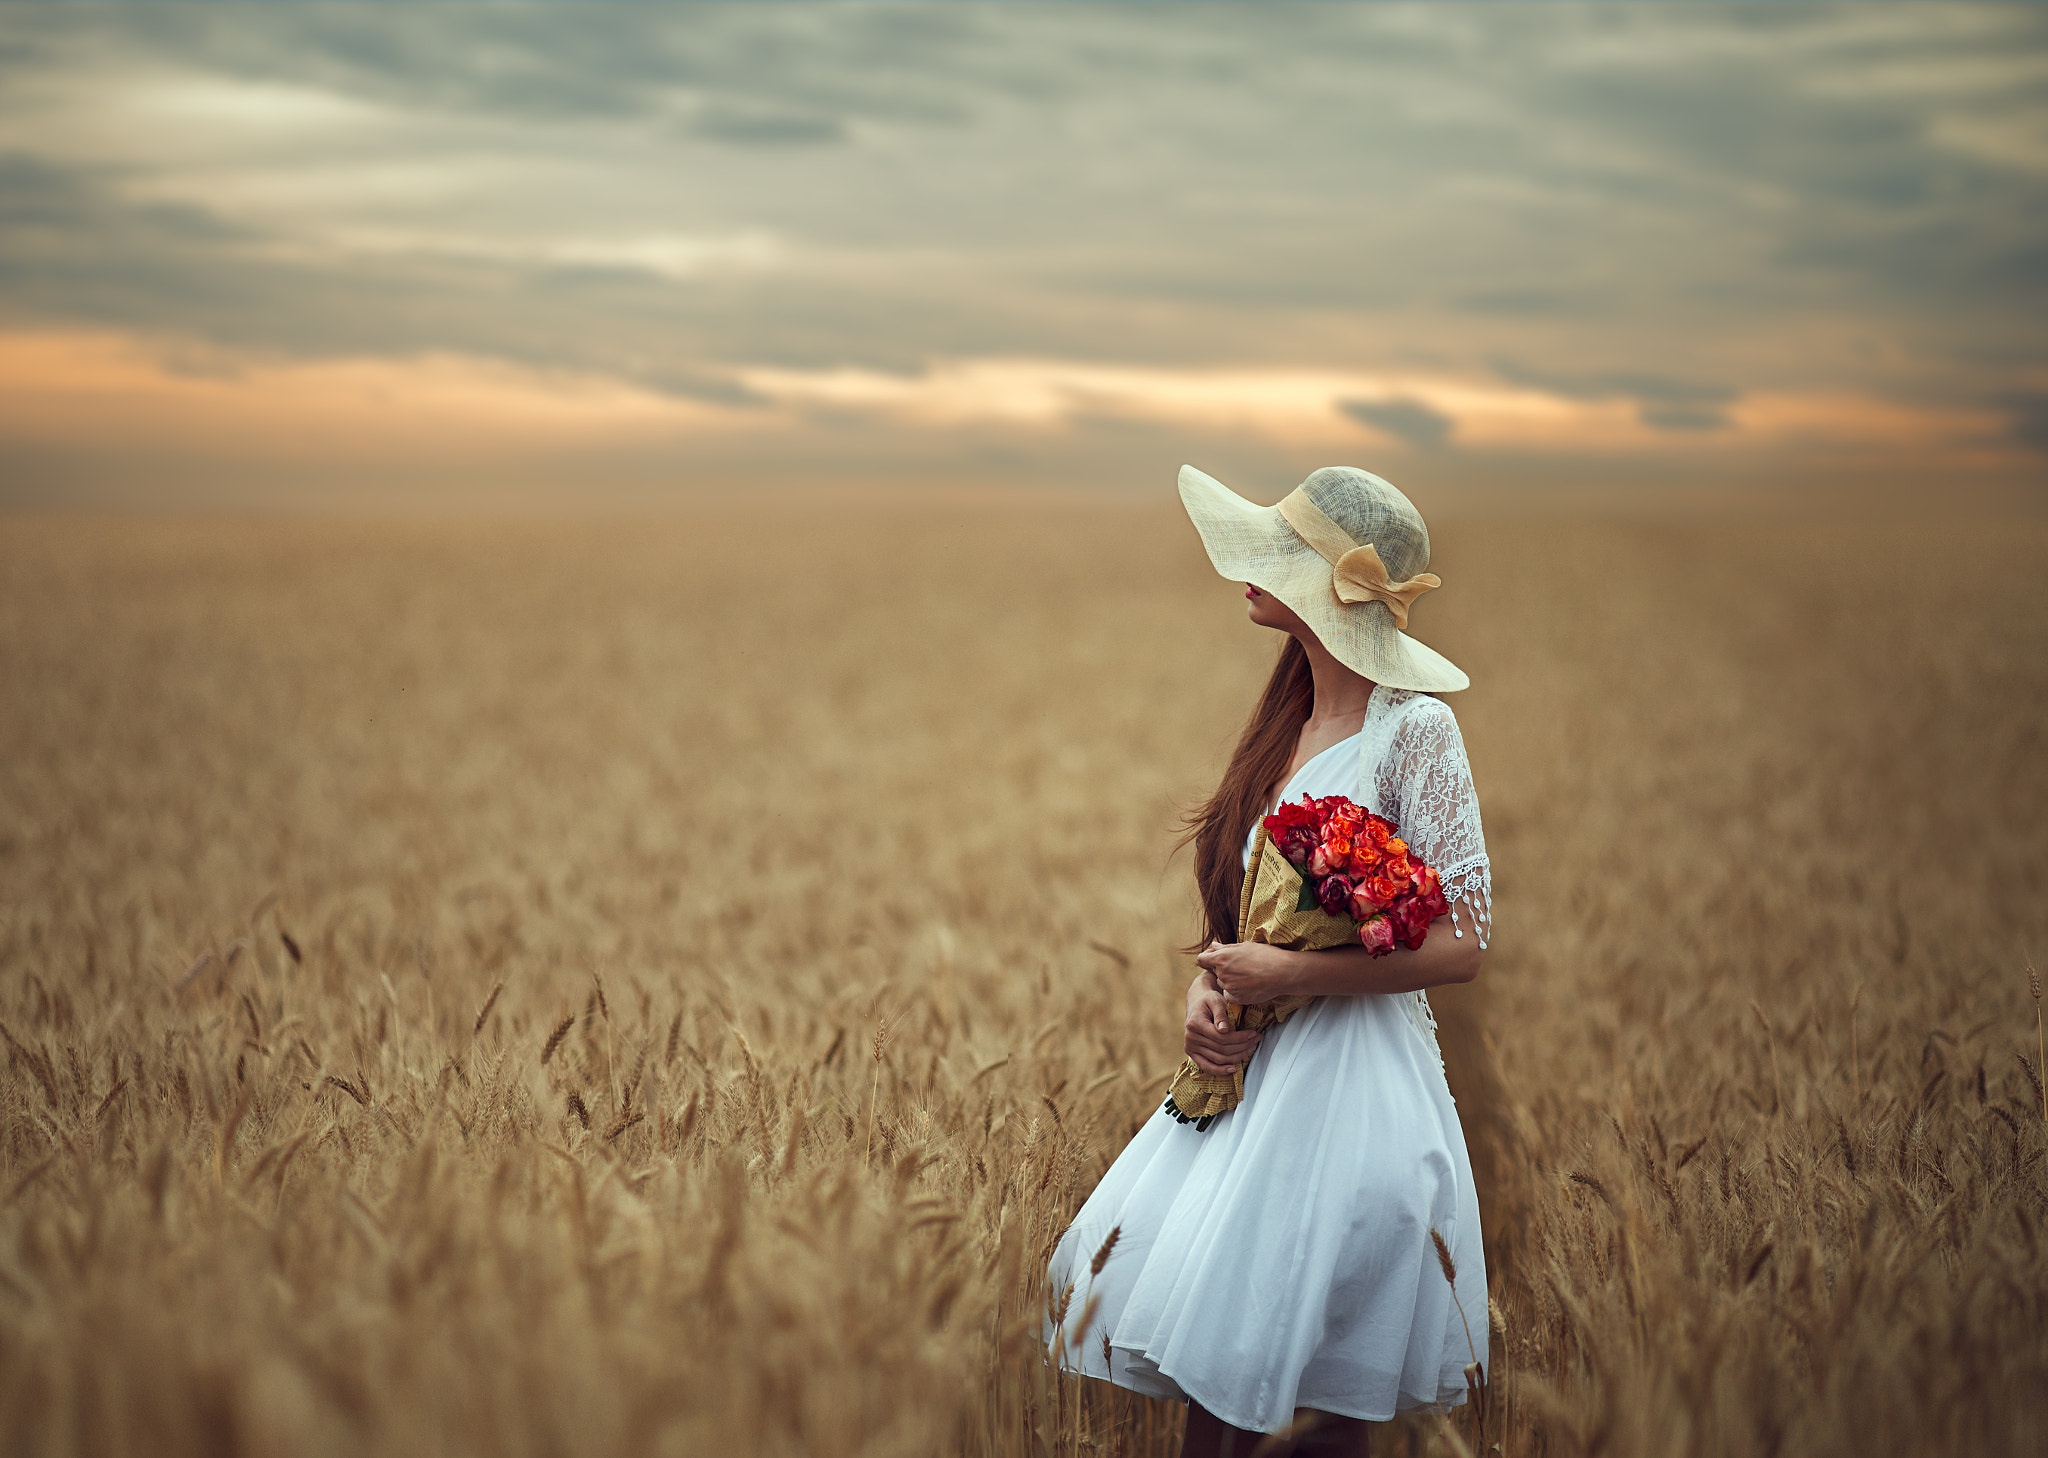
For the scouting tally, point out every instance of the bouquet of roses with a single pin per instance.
(1353, 863)
(1323, 873)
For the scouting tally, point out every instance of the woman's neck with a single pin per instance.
(1341, 693)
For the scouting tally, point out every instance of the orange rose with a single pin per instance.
(1383, 889)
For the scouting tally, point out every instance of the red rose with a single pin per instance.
(1411, 920)
(1376, 935)
(1294, 828)
(1334, 892)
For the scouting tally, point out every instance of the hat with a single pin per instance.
(1345, 550)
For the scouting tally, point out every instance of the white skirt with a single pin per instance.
(1281, 1259)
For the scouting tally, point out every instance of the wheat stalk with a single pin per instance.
(875, 1088)
(1475, 1375)
(1450, 1269)
(611, 1075)
(555, 1038)
(485, 1011)
(1855, 1064)
(1771, 1042)
(1104, 1251)
(2040, 1042)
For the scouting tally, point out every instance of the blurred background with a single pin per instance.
(619, 257)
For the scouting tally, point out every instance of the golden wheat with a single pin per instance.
(436, 964)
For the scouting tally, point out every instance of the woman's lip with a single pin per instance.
(1250, 591)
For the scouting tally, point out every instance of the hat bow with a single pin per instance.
(1356, 572)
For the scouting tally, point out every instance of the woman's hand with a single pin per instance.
(1212, 1042)
(1248, 972)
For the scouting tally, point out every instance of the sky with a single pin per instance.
(297, 254)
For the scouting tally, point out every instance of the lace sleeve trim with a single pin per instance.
(1471, 886)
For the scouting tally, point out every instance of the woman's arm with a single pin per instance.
(1248, 972)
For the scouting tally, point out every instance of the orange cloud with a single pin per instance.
(1311, 406)
(83, 389)
(88, 391)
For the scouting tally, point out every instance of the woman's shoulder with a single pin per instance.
(1406, 733)
(1419, 714)
(1427, 781)
(1420, 736)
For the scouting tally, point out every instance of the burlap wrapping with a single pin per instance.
(1269, 910)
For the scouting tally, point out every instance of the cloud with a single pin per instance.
(1683, 417)
(1601, 229)
(2027, 421)
(231, 429)
(766, 127)
(1406, 420)
(1664, 401)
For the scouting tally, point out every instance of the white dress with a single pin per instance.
(1281, 1258)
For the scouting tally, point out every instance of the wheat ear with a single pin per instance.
(2040, 1043)
(875, 1088)
(1475, 1373)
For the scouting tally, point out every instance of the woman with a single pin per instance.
(1277, 1270)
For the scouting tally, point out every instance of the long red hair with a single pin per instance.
(1218, 826)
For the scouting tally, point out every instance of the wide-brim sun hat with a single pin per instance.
(1346, 551)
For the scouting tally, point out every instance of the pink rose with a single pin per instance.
(1319, 862)
(1376, 935)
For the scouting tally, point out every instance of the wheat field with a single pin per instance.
(661, 987)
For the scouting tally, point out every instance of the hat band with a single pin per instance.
(1356, 572)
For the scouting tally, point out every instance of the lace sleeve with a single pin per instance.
(1429, 783)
